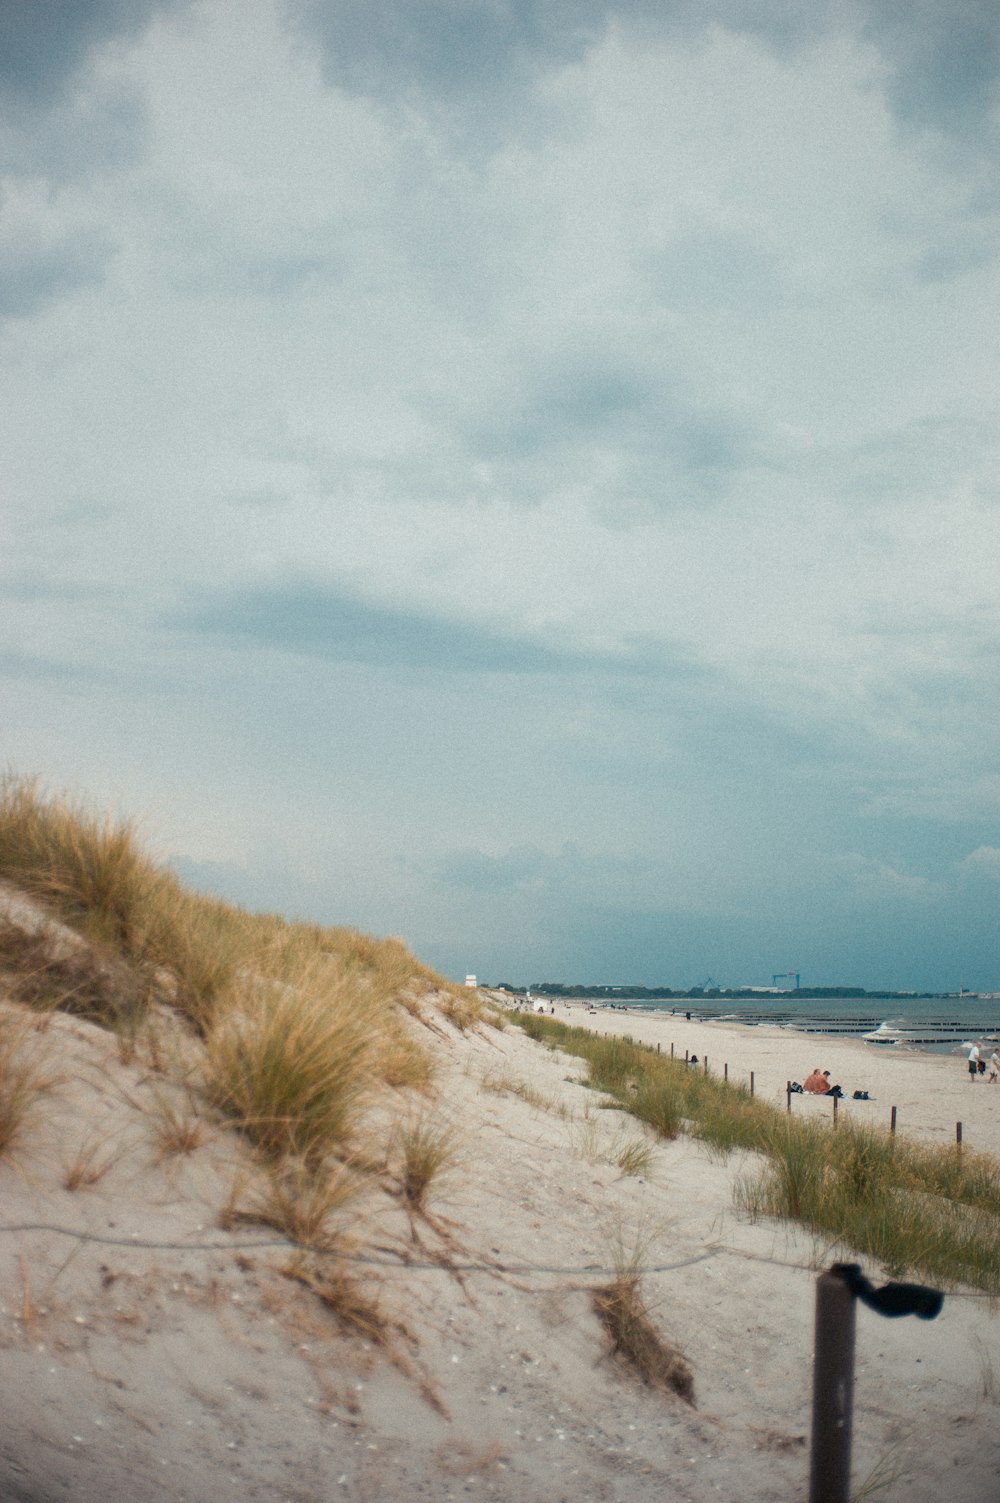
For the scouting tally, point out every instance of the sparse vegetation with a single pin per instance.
(93, 1159)
(297, 1199)
(622, 1311)
(23, 1079)
(426, 1148)
(178, 1120)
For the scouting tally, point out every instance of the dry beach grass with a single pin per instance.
(435, 1262)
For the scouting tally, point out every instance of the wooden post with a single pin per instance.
(657, 1046)
(835, 1100)
(788, 1095)
(706, 1064)
(833, 1391)
(671, 1051)
(958, 1135)
(685, 1056)
(892, 1122)
(725, 1072)
(751, 1082)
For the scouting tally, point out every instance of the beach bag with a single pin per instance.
(860, 1096)
(796, 1087)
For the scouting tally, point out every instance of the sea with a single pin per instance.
(939, 1025)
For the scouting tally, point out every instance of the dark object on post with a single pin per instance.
(833, 1366)
(891, 1299)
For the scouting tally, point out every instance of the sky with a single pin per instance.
(517, 474)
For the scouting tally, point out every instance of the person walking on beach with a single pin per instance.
(994, 1064)
(973, 1063)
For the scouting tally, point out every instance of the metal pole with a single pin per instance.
(833, 1391)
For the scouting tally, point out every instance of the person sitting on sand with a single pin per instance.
(816, 1082)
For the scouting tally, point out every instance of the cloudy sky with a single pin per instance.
(518, 474)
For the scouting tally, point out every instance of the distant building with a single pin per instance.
(470, 981)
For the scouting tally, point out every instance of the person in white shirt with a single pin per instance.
(973, 1063)
(994, 1064)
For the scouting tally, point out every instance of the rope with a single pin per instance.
(398, 1260)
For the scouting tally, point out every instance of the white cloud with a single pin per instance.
(665, 402)
(984, 861)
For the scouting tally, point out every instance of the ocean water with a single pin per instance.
(936, 1024)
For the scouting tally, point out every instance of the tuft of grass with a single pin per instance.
(636, 1157)
(502, 1083)
(357, 1310)
(659, 1102)
(179, 1126)
(427, 1148)
(82, 978)
(23, 1079)
(93, 1159)
(90, 868)
(297, 1198)
(622, 1311)
(293, 1065)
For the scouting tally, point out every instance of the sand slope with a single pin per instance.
(145, 1352)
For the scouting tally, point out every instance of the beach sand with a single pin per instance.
(148, 1353)
(931, 1092)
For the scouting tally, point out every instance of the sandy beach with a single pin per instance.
(931, 1092)
(152, 1349)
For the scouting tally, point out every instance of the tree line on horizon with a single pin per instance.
(661, 993)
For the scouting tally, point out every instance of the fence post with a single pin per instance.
(725, 1072)
(751, 1082)
(706, 1064)
(788, 1096)
(835, 1111)
(833, 1391)
(958, 1136)
(657, 1046)
(685, 1056)
(892, 1121)
(671, 1051)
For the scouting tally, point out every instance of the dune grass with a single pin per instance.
(295, 1027)
(427, 1147)
(910, 1206)
(292, 1065)
(621, 1308)
(24, 1080)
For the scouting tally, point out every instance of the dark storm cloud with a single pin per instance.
(546, 417)
(42, 44)
(478, 61)
(31, 277)
(321, 622)
(67, 138)
(944, 59)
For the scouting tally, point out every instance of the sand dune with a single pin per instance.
(147, 1353)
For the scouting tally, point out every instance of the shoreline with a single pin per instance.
(931, 1092)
